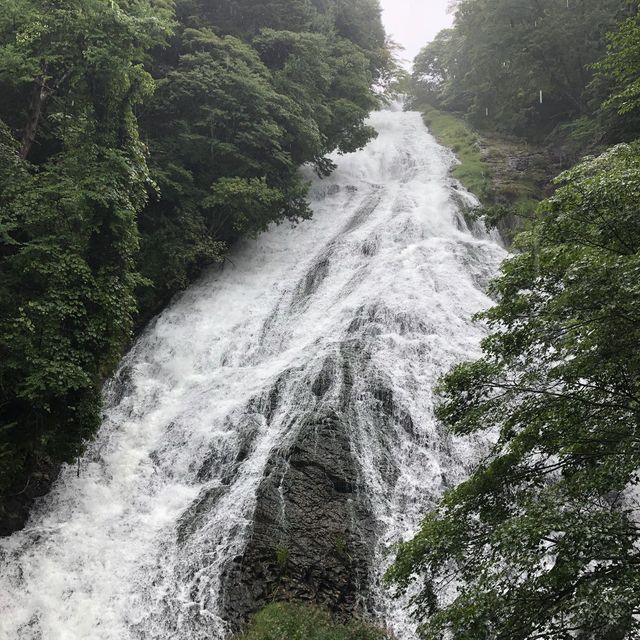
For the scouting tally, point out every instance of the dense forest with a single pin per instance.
(543, 540)
(533, 69)
(138, 141)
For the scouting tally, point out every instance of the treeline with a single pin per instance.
(138, 140)
(529, 68)
(543, 541)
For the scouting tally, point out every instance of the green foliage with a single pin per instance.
(623, 62)
(224, 99)
(76, 63)
(542, 540)
(298, 622)
(74, 178)
(342, 549)
(618, 78)
(501, 53)
(246, 94)
(473, 172)
(282, 557)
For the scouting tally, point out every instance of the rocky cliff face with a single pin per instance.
(312, 534)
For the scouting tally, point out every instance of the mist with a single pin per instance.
(414, 23)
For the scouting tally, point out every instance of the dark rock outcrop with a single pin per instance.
(16, 505)
(312, 535)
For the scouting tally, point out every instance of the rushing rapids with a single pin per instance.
(272, 432)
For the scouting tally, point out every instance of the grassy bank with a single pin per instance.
(508, 176)
(451, 131)
(282, 621)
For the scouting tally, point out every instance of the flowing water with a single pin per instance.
(388, 258)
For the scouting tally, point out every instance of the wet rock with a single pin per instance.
(364, 212)
(316, 275)
(194, 517)
(16, 505)
(384, 396)
(371, 246)
(312, 533)
(324, 379)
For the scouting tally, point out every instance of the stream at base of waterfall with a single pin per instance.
(272, 433)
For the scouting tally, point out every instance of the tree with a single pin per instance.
(247, 93)
(623, 62)
(542, 541)
(433, 67)
(501, 54)
(618, 79)
(74, 177)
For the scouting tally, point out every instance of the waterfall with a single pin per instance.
(276, 420)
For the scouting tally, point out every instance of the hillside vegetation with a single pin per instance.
(280, 621)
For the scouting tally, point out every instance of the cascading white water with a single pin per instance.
(388, 250)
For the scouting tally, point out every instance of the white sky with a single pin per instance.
(414, 23)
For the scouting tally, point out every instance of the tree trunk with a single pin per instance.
(38, 98)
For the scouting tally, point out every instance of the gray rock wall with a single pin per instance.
(312, 534)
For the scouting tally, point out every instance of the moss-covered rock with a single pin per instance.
(282, 621)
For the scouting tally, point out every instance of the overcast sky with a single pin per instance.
(413, 23)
